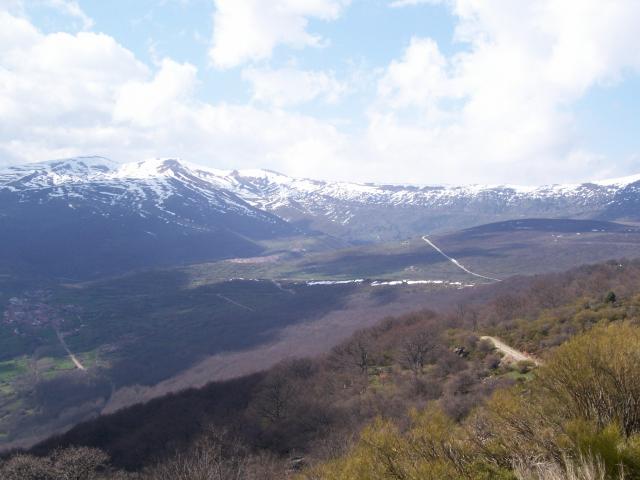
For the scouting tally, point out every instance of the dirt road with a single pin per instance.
(456, 262)
(73, 358)
(511, 353)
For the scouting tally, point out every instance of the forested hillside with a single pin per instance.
(422, 396)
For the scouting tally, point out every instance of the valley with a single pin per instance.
(122, 283)
(477, 365)
(319, 240)
(150, 334)
(146, 334)
(494, 251)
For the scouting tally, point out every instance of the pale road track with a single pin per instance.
(456, 262)
(73, 358)
(510, 352)
(233, 302)
(280, 287)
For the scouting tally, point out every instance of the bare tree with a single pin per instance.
(473, 317)
(359, 351)
(275, 397)
(26, 467)
(415, 352)
(508, 306)
(79, 463)
(461, 312)
(213, 457)
(73, 463)
(548, 293)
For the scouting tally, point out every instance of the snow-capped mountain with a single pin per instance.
(85, 217)
(188, 194)
(149, 188)
(385, 212)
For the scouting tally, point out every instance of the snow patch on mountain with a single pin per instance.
(619, 182)
(146, 186)
(157, 181)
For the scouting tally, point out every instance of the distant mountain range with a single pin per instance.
(160, 275)
(376, 212)
(89, 216)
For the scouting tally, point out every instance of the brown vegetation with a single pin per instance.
(419, 397)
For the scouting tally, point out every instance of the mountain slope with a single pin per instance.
(369, 212)
(88, 217)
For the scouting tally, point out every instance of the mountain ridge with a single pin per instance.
(106, 168)
(77, 219)
(356, 212)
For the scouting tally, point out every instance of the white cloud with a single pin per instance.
(290, 86)
(501, 108)
(411, 3)
(47, 76)
(63, 95)
(498, 110)
(420, 78)
(249, 30)
(71, 8)
(147, 102)
(56, 91)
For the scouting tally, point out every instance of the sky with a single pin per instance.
(392, 91)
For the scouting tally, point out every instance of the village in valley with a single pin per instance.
(32, 312)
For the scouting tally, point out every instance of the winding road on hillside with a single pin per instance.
(456, 262)
(73, 358)
(510, 352)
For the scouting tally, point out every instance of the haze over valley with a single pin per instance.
(122, 282)
(319, 240)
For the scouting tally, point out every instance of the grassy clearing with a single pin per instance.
(64, 363)
(88, 359)
(10, 370)
(54, 363)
